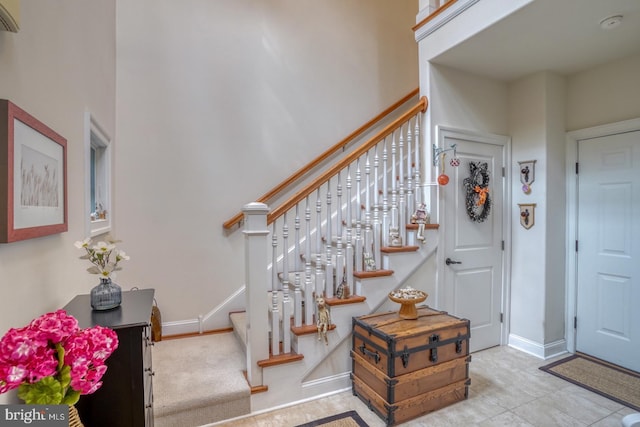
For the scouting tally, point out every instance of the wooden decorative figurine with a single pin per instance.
(323, 319)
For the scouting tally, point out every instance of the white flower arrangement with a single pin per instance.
(103, 255)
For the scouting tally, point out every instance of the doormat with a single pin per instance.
(346, 419)
(608, 380)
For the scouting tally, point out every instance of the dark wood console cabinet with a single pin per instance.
(126, 396)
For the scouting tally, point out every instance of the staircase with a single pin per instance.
(334, 232)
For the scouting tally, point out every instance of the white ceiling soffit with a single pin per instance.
(563, 36)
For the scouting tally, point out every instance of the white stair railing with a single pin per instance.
(313, 261)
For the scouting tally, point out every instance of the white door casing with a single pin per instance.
(475, 289)
(608, 256)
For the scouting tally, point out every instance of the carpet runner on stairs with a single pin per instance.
(199, 380)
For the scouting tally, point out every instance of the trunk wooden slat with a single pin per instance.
(411, 384)
(413, 407)
(405, 368)
(397, 346)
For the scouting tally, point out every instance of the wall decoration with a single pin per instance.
(527, 175)
(527, 214)
(438, 155)
(33, 185)
(478, 199)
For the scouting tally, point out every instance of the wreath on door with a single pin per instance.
(478, 200)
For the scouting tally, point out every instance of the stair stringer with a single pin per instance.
(298, 381)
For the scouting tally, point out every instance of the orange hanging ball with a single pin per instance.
(443, 179)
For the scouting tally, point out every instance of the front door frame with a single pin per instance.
(443, 132)
(572, 140)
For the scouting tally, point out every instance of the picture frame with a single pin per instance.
(33, 177)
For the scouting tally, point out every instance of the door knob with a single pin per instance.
(449, 261)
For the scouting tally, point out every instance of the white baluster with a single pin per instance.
(385, 193)
(349, 251)
(297, 293)
(368, 236)
(286, 304)
(275, 311)
(308, 290)
(402, 207)
(409, 196)
(319, 278)
(358, 249)
(377, 234)
(328, 286)
(339, 253)
(416, 141)
(394, 184)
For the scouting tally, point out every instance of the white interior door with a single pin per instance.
(472, 285)
(608, 259)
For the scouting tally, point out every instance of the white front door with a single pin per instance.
(608, 259)
(473, 278)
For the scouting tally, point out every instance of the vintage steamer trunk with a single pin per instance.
(406, 368)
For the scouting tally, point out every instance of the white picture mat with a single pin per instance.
(36, 150)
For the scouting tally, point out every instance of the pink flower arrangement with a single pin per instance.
(52, 361)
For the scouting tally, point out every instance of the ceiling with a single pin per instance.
(563, 36)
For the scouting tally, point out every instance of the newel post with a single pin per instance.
(255, 261)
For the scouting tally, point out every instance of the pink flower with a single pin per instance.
(86, 353)
(29, 354)
(55, 326)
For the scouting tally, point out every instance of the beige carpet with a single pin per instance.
(613, 382)
(199, 380)
(346, 419)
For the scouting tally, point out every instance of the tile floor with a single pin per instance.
(507, 389)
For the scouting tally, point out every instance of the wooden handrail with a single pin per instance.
(433, 14)
(420, 107)
(315, 162)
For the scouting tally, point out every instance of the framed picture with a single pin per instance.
(33, 180)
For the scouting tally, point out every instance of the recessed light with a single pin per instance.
(611, 22)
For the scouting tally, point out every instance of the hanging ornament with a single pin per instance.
(443, 179)
(527, 175)
(478, 199)
(455, 162)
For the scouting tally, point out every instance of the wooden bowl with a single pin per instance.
(408, 308)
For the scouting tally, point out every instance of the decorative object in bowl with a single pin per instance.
(408, 298)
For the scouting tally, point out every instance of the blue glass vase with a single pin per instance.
(106, 295)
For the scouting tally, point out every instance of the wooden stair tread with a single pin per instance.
(280, 359)
(353, 299)
(369, 274)
(256, 388)
(309, 329)
(426, 226)
(398, 249)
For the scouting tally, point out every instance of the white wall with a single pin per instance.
(606, 94)
(218, 102)
(537, 120)
(60, 64)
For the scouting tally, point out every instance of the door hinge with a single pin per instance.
(501, 317)
(577, 168)
(503, 245)
(575, 322)
(576, 246)
(503, 172)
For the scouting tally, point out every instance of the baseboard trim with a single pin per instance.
(542, 351)
(181, 327)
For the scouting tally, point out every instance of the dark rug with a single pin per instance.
(608, 380)
(346, 419)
